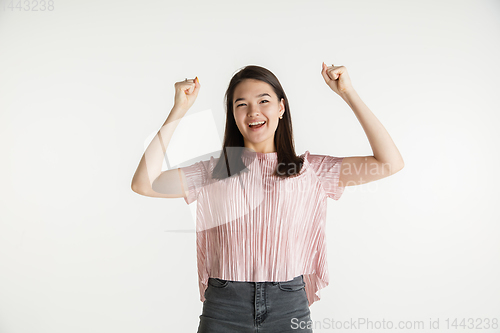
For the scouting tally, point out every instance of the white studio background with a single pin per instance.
(83, 86)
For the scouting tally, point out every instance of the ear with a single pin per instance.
(282, 106)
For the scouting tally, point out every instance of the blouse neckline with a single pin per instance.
(253, 157)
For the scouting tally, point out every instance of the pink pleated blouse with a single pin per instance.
(257, 227)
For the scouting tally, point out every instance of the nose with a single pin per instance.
(253, 111)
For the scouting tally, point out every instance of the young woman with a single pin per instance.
(261, 209)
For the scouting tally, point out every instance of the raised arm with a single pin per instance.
(148, 179)
(386, 159)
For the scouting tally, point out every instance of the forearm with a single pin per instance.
(384, 149)
(152, 160)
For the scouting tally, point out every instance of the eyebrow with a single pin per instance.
(242, 99)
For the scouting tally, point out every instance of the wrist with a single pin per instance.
(174, 117)
(178, 112)
(347, 94)
(179, 108)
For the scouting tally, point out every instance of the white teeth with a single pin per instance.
(257, 123)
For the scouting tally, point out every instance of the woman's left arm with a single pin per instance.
(386, 159)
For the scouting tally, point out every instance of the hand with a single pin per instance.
(337, 79)
(186, 93)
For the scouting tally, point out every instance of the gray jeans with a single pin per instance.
(236, 306)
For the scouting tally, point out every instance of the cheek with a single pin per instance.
(241, 125)
(239, 122)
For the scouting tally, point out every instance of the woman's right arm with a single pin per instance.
(172, 183)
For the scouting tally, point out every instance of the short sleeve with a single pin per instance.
(327, 169)
(196, 175)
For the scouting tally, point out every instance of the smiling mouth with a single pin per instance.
(257, 126)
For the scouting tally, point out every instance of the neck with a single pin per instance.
(250, 153)
(261, 149)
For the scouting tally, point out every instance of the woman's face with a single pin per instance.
(253, 101)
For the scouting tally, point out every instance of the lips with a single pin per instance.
(256, 128)
(255, 121)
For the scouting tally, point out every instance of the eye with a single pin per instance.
(265, 100)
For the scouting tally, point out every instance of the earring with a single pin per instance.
(281, 117)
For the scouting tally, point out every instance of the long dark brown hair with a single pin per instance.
(230, 163)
